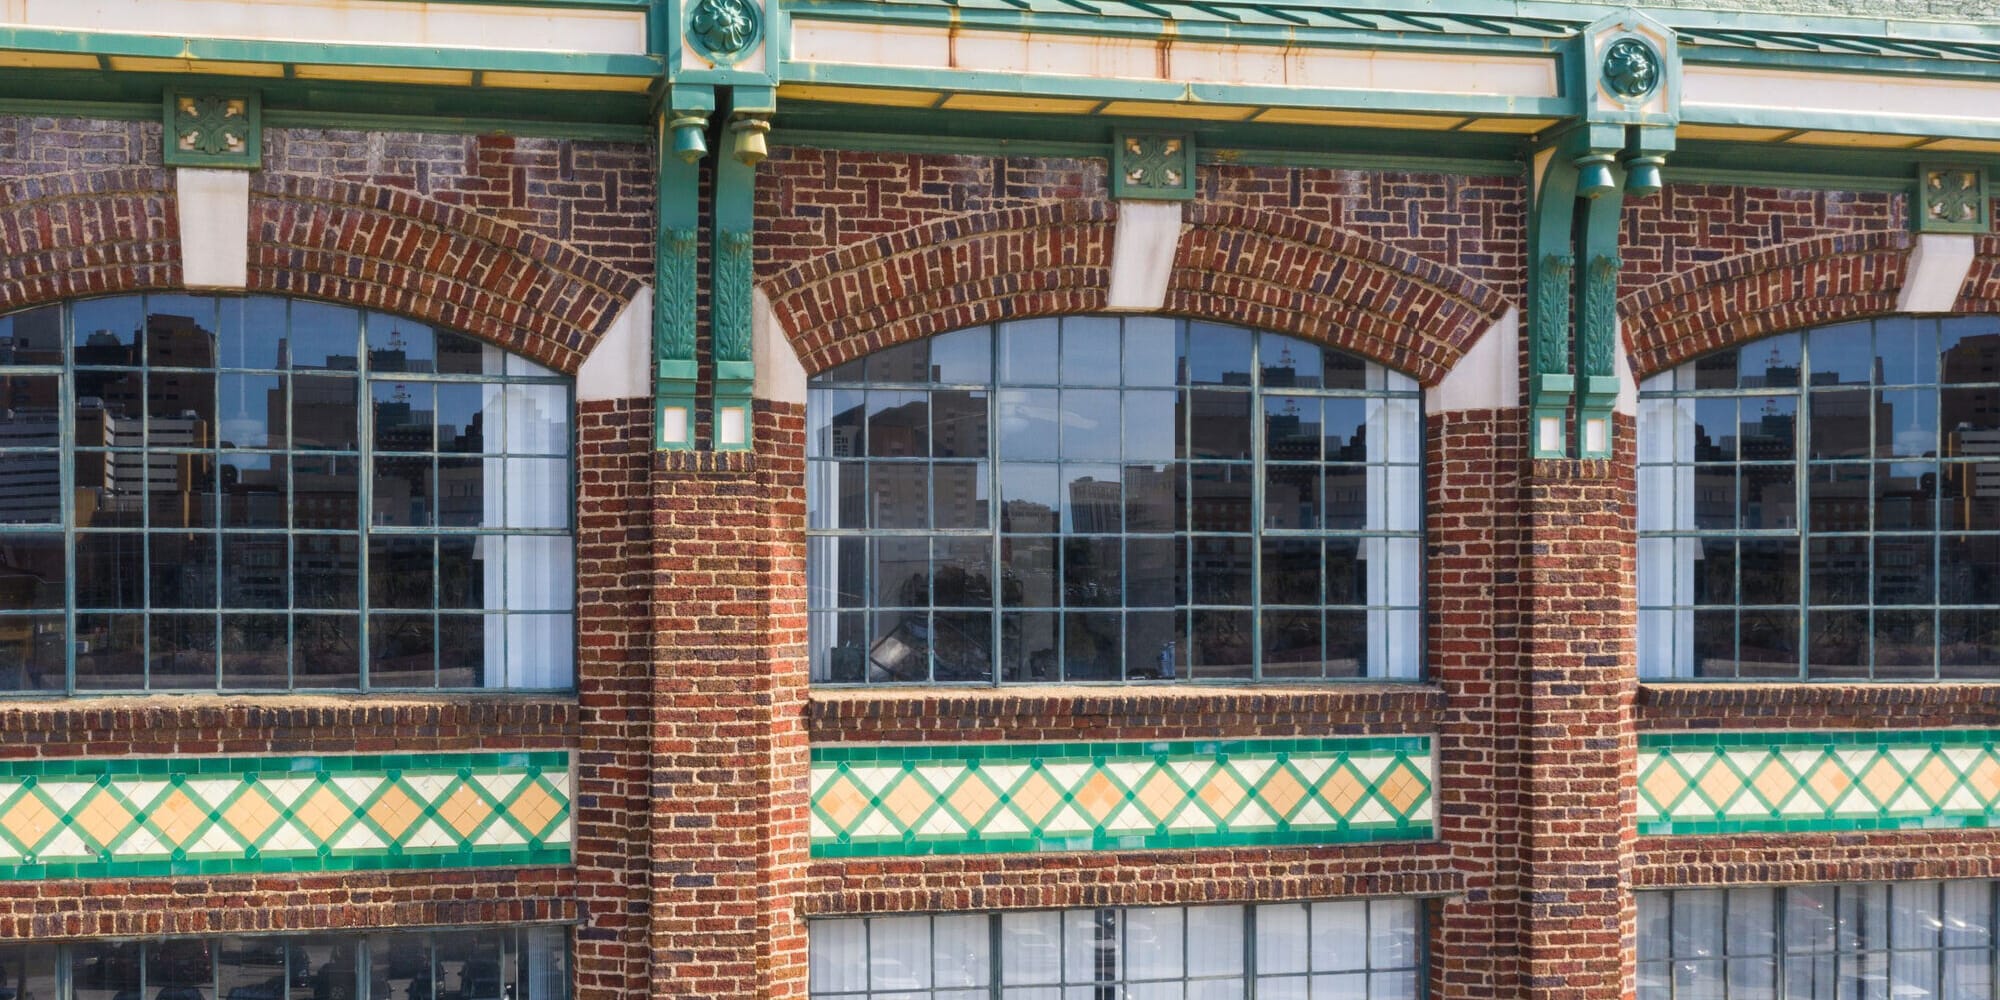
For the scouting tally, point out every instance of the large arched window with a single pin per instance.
(1825, 504)
(1106, 499)
(251, 493)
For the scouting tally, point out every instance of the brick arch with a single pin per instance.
(63, 236)
(1234, 265)
(1284, 273)
(111, 231)
(391, 249)
(1787, 287)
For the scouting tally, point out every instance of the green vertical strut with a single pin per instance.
(734, 273)
(677, 236)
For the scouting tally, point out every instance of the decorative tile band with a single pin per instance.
(241, 815)
(1706, 783)
(967, 798)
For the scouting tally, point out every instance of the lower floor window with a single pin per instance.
(504, 963)
(1877, 941)
(1360, 950)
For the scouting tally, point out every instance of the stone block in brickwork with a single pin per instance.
(926, 799)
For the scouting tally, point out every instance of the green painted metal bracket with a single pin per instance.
(733, 274)
(1951, 198)
(677, 242)
(212, 130)
(1152, 166)
(1551, 264)
(1597, 323)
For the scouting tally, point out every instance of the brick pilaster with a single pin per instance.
(730, 762)
(1578, 734)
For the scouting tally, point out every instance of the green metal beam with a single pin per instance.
(324, 53)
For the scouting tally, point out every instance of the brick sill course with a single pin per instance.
(1055, 712)
(1818, 705)
(186, 724)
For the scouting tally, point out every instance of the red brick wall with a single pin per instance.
(730, 760)
(1578, 741)
(614, 667)
(1708, 266)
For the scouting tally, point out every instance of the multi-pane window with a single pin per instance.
(1878, 941)
(1105, 499)
(1825, 504)
(1359, 950)
(488, 963)
(253, 493)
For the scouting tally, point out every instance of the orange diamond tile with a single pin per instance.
(909, 800)
(972, 800)
(1341, 788)
(394, 811)
(1936, 779)
(1664, 784)
(843, 802)
(178, 816)
(1774, 781)
(1882, 780)
(322, 812)
(464, 810)
(30, 820)
(1282, 792)
(103, 818)
(1984, 779)
(1221, 792)
(534, 808)
(1099, 796)
(250, 815)
(1161, 794)
(1036, 796)
(1401, 788)
(1720, 783)
(1829, 781)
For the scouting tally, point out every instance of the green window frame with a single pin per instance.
(255, 493)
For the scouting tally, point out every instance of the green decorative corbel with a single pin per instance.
(733, 274)
(1550, 383)
(1596, 367)
(212, 130)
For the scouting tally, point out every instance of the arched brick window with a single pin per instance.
(258, 493)
(1825, 504)
(1099, 498)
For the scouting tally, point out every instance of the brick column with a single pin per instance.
(730, 761)
(614, 668)
(1578, 736)
(1473, 536)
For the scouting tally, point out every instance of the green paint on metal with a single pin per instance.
(732, 275)
(1153, 166)
(884, 801)
(676, 243)
(1951, 199)
(326, 53)
(212, 130)
(725, 31)
(1631, 68)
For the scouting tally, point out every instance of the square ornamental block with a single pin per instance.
(213, 130)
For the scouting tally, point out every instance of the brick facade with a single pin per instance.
(693, 723)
